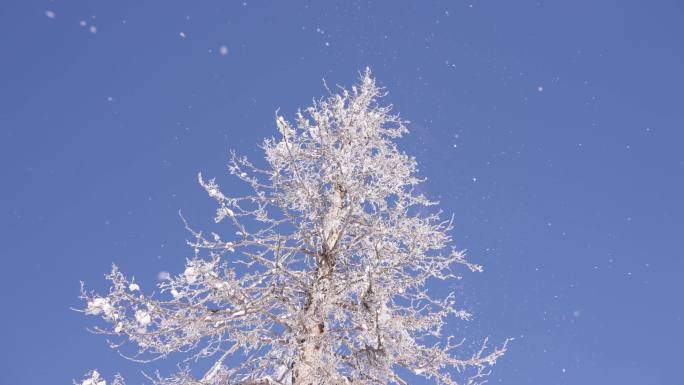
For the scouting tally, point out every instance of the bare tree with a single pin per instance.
(324, 281)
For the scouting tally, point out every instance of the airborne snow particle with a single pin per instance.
(540, 88)
(82, 23)
(50, 14)
(223, 50)
(182, 34)
(92, 29)
(163, 275)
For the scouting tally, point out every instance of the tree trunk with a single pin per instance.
(310, 359)
(309, 362)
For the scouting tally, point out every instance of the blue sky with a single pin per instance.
(553, 130)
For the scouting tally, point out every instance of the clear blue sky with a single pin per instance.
(553, 130)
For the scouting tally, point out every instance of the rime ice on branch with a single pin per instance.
(324, 281)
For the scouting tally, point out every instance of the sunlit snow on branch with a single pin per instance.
(94, 378)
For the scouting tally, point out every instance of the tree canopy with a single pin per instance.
(325, 277)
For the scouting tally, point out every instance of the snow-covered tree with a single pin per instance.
(325, 280)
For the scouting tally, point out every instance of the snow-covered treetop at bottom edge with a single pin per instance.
(325, 278)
